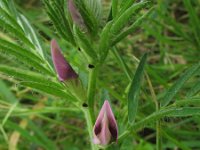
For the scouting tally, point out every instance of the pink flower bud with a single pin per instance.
(76, 16)
(105, 128)
(63, 68)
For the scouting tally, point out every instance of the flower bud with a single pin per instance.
(76, 16)
(105, 128)
(63, 68)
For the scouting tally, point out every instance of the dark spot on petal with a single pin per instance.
(97, 129)
(113, 131)
(85, 105)
(90, 66)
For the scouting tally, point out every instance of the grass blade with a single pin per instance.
(135, 89)
(178, 84)
(172, 112)
(194, 90)
(194, 19)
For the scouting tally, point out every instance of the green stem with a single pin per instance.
(122, 63)
(158, 135)
(90, 127)
(92, 90)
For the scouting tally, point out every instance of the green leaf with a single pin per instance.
(125, 5)
(10, 19)
(32, 36)
(114, 8)
(194, 90)
(23, 30)
(48, 89)
(25, 75)
(184, 112)
(187, 102)
(104, 43)
(23, 55)
(89, 19)
(135, 89)
(171, 112)
(132, 28)
(95, 8)
(22, 51)
(84, 43)
(178, 84)
(16, 33)
(123, 20)
(56, 12)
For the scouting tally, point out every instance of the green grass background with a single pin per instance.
(38, 120)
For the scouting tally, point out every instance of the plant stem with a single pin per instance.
(91, 91)
(158, 135)
(89, 113)
(89, 127)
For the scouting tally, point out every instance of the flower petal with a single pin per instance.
(105, 135)
(112, 122)
(105, 126)
(62, 67)
(98, 126)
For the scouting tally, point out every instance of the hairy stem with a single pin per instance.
(90, 127)
(91, 91)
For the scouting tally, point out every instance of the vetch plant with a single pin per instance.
(57, 98)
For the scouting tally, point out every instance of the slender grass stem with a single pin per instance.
(158, 136)
(158, 125)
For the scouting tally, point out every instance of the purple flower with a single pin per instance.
(63, 68)
(105, 128)
(76, 16)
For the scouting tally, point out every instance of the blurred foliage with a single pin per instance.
(34, 119)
